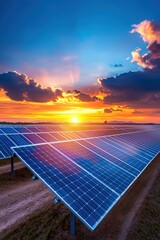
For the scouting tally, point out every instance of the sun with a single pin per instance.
(75, 119)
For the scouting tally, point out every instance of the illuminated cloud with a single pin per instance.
(19, 87)
(83, 97)
(150, 33)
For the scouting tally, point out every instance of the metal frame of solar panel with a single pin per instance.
(91, 175)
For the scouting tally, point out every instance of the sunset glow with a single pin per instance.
(75, 119)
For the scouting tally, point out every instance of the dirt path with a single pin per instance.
(18, 202)
(7, 168)
(139, 201)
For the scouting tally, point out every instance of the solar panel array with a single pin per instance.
(90, 175)
(16, 135)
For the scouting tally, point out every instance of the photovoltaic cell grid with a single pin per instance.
(1, 155)
(91, 175)
(14, 135)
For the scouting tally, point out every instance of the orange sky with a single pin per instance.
(64, 111)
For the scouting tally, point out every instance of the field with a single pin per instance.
(27, 210)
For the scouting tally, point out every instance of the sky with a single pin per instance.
(91, 60)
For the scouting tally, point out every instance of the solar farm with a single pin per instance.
(88, 168)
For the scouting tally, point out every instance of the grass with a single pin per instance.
(147, 221)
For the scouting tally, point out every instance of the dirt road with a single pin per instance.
(19, 201)
(7, 168)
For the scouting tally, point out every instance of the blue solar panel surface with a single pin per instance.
(8, 130)
(32, 134)
(19, 139)
(5, 146)
(90, 175)
(1, 155)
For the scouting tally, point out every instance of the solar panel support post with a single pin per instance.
(12, 165)
(72, 224)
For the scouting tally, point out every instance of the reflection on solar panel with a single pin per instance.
(90, 175)
(47, 137)
(33, 138)
(22, 130)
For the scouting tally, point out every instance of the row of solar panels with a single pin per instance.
(13, 135)
(29, 128)
(91, 175)
(50, 128)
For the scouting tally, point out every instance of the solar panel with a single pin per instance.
(8, 130)
(5, 146)
(111, 174)
(25, 136)
(22, 129)
(142, 141)
(18, 139)
(90, 175)
(1, 155)
(58, 136)
(47, 137)
(33, 129)
(1, 132)
(33, 138)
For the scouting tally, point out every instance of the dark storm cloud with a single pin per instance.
(139, 89)
(19, 87)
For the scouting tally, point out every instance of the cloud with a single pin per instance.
(107, 110)
(83, 97)
(139, 89)
(118, 109)
(19, 87)
(150, 33)
(118, 65)
(137, 112)
(110, 110)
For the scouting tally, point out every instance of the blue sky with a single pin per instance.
(71, 42)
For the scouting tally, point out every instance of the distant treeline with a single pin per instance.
(91, 123)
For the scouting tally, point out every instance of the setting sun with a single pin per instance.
(75, 120)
